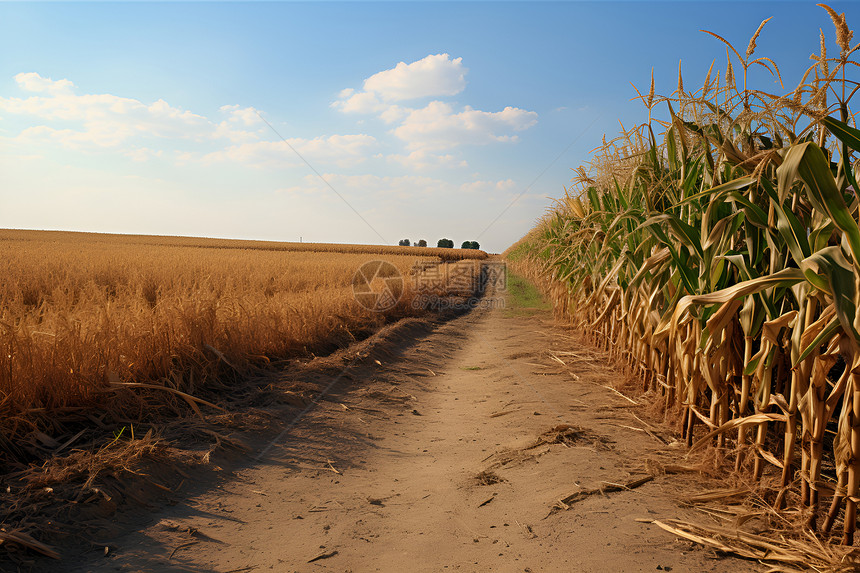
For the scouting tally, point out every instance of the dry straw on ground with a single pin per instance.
(94, 321)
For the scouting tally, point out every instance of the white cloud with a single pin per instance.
(106, 121)
(394, 113)
(141, 154)
(437, 126)
(99, 134)
(33, 82)
(238, 119)
(247, 116)
(434, 76)
(421, 160)
(340, 150)
(102, 120)
(363, 102)
(503, 186)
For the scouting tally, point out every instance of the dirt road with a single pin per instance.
(448, 455)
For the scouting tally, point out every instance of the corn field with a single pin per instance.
(716, 251)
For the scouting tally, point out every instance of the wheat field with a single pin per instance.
(212, 243)
(82, 313)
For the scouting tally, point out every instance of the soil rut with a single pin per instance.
(453, 457)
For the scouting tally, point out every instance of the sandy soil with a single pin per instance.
(441, 458)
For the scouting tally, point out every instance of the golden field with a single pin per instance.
(202, 242)
(81, 312)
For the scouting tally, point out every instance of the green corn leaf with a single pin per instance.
(830, 266)
(829, 331)
(787, 174)
(694, 171)
(752, 365)
(785, 277)
(754, 214)
(844, 132)
(741, 263)
(688, 235)
(716, 192)
(814, 169)
(789, 227)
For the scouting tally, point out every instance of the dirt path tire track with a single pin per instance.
(387, 476)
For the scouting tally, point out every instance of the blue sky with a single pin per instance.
(428, 119)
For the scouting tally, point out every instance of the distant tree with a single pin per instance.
(475, 245)
(404, 242)
(422, 243)
(445, 244)
(470, 245)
